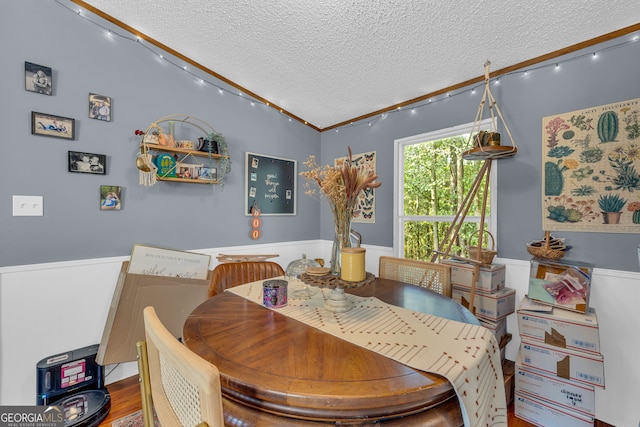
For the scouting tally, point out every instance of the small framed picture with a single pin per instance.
(99, 107)
(188, 170)
(110, 198)
(208, 174)
(38, 78)
(50, 125)
(87, 163)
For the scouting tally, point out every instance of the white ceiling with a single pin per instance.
(329, 61)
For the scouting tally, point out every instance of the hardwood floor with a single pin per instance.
(125, 399)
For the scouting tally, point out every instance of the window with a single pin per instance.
(431, 182)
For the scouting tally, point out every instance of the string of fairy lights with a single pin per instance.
(370, 121)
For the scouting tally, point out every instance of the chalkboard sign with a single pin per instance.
(270, 185)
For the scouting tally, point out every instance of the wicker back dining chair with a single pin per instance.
(430, 275)
(182, 387)
(232, 274)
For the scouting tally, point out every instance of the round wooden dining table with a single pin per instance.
(276, 371)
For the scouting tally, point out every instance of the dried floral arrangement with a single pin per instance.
(341, 186)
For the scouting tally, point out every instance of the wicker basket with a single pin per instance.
(545, 251)
(486, 255)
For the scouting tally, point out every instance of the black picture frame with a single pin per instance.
(110, 198)
(270, 184)
(80, 162)
(52, 125)
(38, 78)
(100, 107)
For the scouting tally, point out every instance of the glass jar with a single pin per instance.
(295, 269)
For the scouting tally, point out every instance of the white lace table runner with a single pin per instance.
(467, 355)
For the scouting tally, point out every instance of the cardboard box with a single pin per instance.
(498, 328)
(559, 327)
(490, 278)
(174, 298)
(586, 368)
(564, 284)
(570, 395)
(544, 414)
(508, 371)
(491, 306)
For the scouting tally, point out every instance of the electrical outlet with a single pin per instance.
(28, 206)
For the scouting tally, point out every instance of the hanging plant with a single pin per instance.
(217, 144)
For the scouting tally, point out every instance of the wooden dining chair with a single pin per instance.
(182, 387)
(430, 275)
(232, 274)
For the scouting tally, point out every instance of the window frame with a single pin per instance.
(399, 218)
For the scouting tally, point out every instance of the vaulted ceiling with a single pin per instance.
(327, 62)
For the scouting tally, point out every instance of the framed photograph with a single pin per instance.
(87, 163)
(208, 173)
(188, 170)
(38, 78)
(99, 107)
(50, 125)
(110, 199)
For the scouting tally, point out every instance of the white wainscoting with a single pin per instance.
(52, 308)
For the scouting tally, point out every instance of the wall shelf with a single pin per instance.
(184, 165)
(183, 151)
(190, 181)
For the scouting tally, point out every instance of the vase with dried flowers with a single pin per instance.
(341, 185)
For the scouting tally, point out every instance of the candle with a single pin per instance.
(353, 265)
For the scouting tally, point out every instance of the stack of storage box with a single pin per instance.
(493, 303)
(559, 363)
(492, 300)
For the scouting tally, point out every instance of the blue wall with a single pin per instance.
(144, 88)
(580, 82)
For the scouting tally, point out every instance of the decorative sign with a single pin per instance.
(591, 160)
(154, 261)
(166, 164)
(270, 184)
(255, 222)
(366, 163)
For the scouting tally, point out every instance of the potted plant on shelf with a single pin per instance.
(611, 206)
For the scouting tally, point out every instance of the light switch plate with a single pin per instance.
(28, 206)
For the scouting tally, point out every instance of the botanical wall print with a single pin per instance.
(366, 208)
(590, 161)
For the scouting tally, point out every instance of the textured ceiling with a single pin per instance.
(329, 61)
